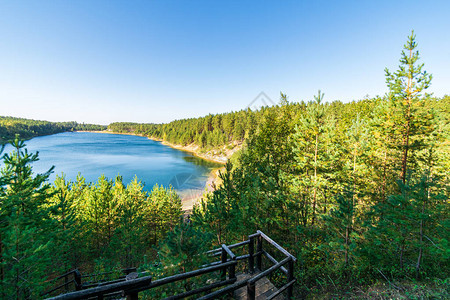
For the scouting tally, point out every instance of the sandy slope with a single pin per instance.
(191, 197)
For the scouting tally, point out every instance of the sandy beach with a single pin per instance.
(190, 197)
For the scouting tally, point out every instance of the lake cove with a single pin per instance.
(93, 154)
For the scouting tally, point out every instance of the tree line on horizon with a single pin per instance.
(49, 229)
(225, 129)
(27, 128)
(357, 191)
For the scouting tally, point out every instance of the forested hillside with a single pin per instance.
(207, 132)
(214, 131)
(357, 191)
(26, 128)
(337, 193)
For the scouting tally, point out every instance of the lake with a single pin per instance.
(94, 154)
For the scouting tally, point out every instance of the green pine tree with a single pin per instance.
(25, 230)
(405, 115)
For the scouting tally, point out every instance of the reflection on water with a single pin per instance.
(94, 154)
(201, 162)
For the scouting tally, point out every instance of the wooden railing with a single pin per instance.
(226, 266)
(289, 259)
(131, 288)
(67, 282)
(89, 280)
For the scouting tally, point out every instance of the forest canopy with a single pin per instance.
(26, 128)
(357, 191)
(216, 130)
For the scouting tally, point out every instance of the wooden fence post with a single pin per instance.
(232, 272)
(224, 260)
(251, 291)
(251, 259)
(290, 278)
(259, 253)
(66, 280)
(77, 278)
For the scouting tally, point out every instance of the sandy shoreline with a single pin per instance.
(192, 148)
(191, 197)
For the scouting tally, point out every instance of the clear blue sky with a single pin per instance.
(156, 61)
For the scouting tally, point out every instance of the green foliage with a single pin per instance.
(405, 119)
(116, 223)
(66, 227)
(183, 250)
(26, 238)
(47, 230)
(253, 194)
(358, 191)
(211, 131)
(27, 128)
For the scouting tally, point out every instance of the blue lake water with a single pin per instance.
(94, 154)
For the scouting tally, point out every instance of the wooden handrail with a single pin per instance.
(190, 274)
(100, 283)
(106, 289)
(216, 252)
(76, 280)
(66, 274)
(281, 289)
(245, 282)
(273, 268)
(227, 249)
(275, 244)
(251, 284)
(255, 234)
(224, 291)
(228, 262)
(58, 287)
(274, 261)
(202, 289)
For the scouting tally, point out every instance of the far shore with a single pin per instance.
(193, 149)
(191, 197)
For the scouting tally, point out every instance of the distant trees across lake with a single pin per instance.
(357, 191)
(46, 229)
(26, 128)
(217, 130)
